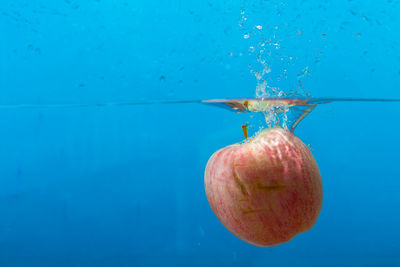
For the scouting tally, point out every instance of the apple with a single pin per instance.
(266, 190)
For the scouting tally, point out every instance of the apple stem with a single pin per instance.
(244, 128)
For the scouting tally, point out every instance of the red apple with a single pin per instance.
(266, 190)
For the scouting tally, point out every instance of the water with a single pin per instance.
(87, 179)
(285, 112)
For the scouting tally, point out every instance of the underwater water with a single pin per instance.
(83, 184)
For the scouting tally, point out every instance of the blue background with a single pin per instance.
(123, 186)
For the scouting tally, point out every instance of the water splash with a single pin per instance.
(286, 112)
(279, 52)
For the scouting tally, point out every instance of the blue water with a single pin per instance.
(123, 186)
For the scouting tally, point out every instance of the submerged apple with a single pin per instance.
(267, 190)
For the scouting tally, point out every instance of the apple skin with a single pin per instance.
(267, 190)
